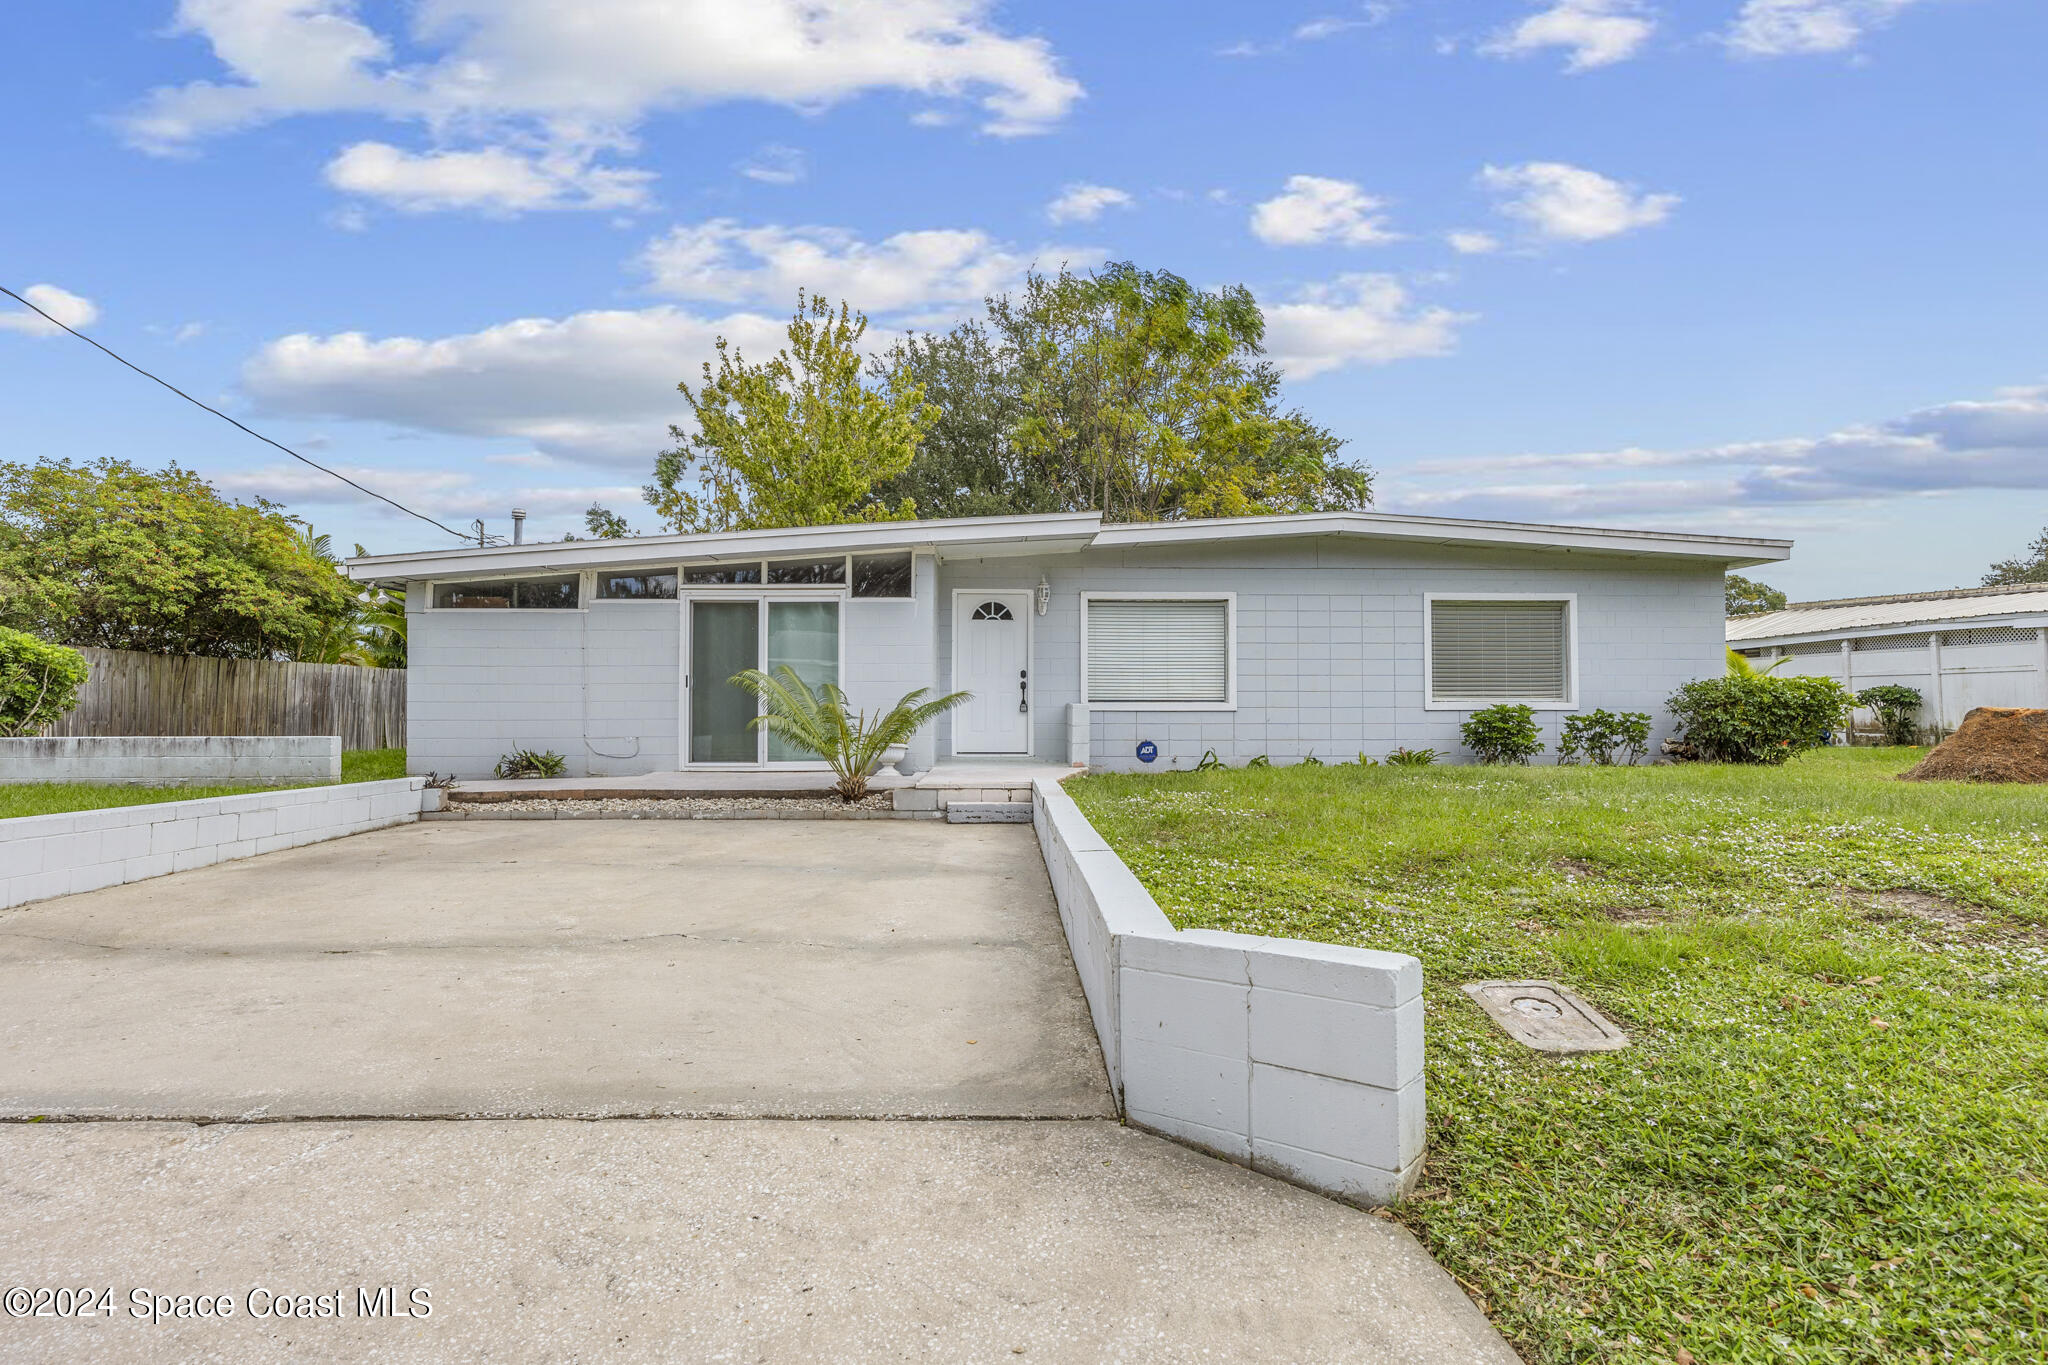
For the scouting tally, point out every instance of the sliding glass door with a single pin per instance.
(725, 638)
(729, 634)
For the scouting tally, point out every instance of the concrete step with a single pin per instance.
(988, 813)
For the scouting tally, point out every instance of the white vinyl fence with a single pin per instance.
(1954, 671)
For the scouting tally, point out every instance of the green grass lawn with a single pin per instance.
(1829, 1141)
(49, 798)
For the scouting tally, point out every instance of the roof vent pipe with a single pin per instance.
(518, 525)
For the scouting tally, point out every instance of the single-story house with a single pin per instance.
(1116, 645)
(1959, 649)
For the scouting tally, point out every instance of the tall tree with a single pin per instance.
(797, 441)
(1147, 398)
(968, 464)
(1747, 597)
(2031, 566)
(112, 555)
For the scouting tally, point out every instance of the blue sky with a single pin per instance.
(1771, 267)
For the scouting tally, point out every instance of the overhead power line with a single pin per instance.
(369, 492)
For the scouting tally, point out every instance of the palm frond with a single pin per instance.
(821, 722)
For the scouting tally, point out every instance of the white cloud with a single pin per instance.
(1085, 203)
(1356, 320)
(579, 78)
(1469, 242)
(1595, 32)
(776, 164)
(1570, 204)
(1319, 29)
(1782, 28)
(927, 273)
(1314, 209)
(453, 496)
(496, 179)
(1971, 445)
(597, 386)
(68, 308)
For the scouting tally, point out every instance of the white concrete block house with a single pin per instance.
(1328, 634)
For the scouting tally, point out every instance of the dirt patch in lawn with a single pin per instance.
(1993, 744)
(1636, 914)
(1903, 906)
(1579, 867)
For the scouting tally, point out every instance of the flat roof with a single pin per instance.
(1974, 606)
(990, 537)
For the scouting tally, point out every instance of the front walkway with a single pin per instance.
(952, 774)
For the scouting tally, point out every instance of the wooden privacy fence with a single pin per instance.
(170, 694)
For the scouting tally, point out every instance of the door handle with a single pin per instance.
(1023, 689)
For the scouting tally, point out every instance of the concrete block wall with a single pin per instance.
(172, 760)
(56, 855)
(1329, 642)
(601, 686)
(1302, 1060)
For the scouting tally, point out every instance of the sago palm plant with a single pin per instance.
(818, 722)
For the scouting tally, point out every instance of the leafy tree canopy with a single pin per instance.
(113, 555)
(1125, 391)
(604, 523)
(2031, 566)
(1747, 597)
(797, 441)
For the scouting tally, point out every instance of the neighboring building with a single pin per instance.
(1963, 648)
(1328, 634)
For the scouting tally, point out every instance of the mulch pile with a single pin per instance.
(1993, 744)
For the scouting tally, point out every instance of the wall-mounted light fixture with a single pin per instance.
(1044, 593)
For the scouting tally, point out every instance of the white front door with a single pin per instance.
(992, 660)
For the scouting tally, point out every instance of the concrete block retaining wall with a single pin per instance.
(1302, 1060)
(55, 855)
(172, 760)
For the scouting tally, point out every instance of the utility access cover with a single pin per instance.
(1545, 1016)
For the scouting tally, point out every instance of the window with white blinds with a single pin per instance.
(1157, 651)
(1489, 651)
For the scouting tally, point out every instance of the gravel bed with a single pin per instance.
(876, 806)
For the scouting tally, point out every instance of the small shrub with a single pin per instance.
(1260, 762)
(1502, 734)
(1365, 762)
(1759, 719)
(1898, 710)
(1412, 758)
(1599, 735)
(1311, 761)
(39, 682)
(1210, 763)
(527, 763)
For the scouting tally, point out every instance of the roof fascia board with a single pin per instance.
(1448, 531)
(1073, 528)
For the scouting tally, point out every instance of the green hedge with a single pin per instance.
(1758, 719)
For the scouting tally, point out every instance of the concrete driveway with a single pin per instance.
(326, 1014)
(576, 968)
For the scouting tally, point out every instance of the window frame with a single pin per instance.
(763, 585)
(598, 576)
(585, 588)
(1229, 601)
(855, 557)
(1431, 702)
